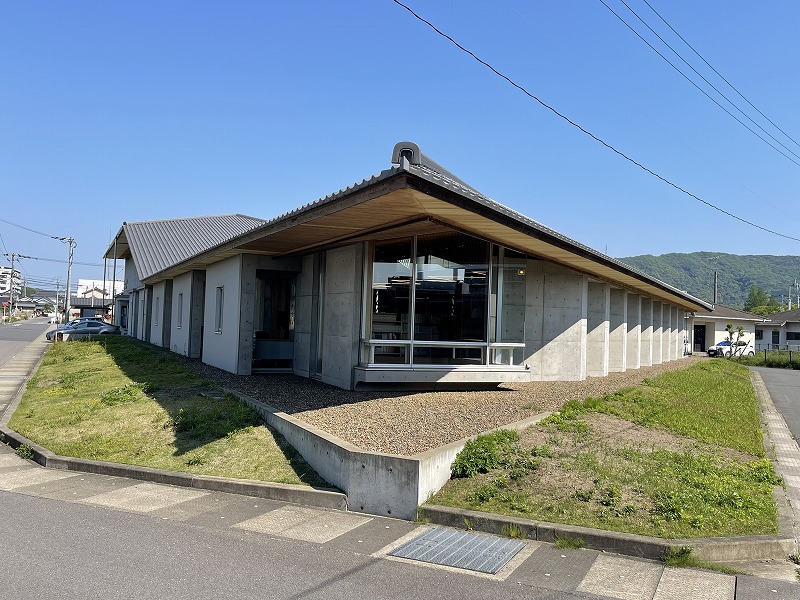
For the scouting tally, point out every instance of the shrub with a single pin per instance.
(483, 454)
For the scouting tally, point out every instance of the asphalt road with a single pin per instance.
(60, 550)
(15, 336)
(784, 387)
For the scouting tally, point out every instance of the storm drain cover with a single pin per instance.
(460, 549)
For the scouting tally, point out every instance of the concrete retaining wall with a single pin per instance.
(375, 483)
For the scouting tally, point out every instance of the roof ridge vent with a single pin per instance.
(405, 154)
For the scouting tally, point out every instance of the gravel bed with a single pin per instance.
(406, 422)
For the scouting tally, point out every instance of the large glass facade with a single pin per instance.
(441, 300)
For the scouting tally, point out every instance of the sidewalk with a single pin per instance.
(538, 564)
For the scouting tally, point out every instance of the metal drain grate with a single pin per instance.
(464, 550)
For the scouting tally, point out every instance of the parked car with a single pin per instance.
(84, 329)
(723, 348)
(77, 320)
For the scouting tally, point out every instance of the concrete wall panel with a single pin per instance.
(181, 293)
(618, 331)
(634, 332)
(221, 349)
(341, 329)
(597, 329)
(646, 348)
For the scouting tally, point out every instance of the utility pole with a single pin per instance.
(71, 242)
(715, 287)
(11, 290)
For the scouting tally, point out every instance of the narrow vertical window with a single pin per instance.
(180, 310)
(218, 312)
(158, 310)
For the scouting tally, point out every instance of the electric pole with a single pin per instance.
(71, 242)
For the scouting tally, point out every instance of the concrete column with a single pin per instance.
(646, 355)
(147, 312)
(555, 322)
(195, 313)
(633, 358)
(341, 329)
(304, 317)
(247, 300)
(673, 332)
(597, 328)
(666, 335)
(658, 332)
(618, 329)
(166, 315)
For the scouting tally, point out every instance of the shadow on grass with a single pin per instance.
(199, 413)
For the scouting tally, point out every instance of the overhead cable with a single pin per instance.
(702, 91)
(692, 48)
(587, 132)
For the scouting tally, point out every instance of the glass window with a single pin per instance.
(180, 310)
(452, 276)
(218, 309)
(391, 284)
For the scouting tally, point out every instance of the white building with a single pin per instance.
(95, 288)
(6, 278)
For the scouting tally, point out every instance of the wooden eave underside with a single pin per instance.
(406, 206)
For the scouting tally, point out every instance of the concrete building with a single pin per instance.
(408, 277)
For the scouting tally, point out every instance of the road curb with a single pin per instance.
(318, 497)
(731, 549)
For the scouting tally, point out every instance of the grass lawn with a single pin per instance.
(680, 456)
(116, 399)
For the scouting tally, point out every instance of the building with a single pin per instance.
(409, 277)
(780, 331)
(7, 277)
(709, 328)
(97, 288)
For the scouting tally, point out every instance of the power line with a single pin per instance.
(713, 87)
(719, 74)
(702, 91)
(683, 142)
(587, 132)
(54, 237)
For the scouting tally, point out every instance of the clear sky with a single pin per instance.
(113, 112)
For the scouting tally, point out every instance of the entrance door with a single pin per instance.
(699, 338)
(273, 342)
(776, 339)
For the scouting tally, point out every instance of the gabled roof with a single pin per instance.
(787, 316)
(726, 312)
(159, 245)
(416, 195)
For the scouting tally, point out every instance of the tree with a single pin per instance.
(734, 337)
(756, 297)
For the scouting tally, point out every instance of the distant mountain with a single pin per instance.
(694, 273)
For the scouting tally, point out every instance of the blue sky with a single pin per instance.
(117, 112)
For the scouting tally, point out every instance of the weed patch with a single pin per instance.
(97, 399)
(680, 456)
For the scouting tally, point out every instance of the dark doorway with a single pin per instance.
(274, 321)
(699, 338)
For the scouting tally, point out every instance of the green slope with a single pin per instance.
(694, 272)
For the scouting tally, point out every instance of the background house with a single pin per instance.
(708, 328)
(781, 331)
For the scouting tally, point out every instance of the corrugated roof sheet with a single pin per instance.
(158, 245)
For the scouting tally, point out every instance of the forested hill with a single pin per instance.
(694, 272)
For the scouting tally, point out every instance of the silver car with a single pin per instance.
(83, 329)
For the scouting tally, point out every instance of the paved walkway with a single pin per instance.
(538, 564)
